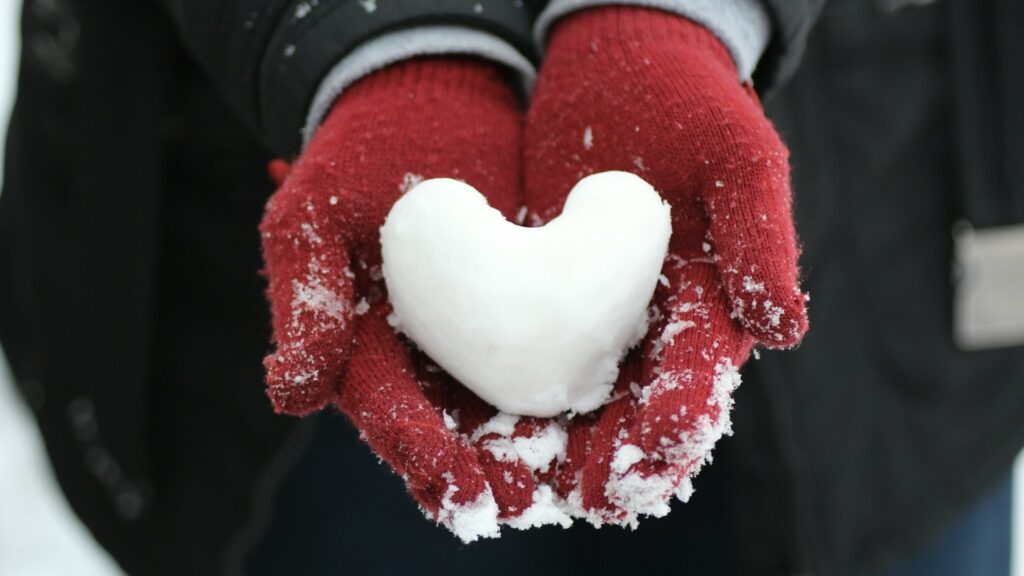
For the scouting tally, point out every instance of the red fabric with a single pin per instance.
(622, 89)
(649, 92)
(418, 119)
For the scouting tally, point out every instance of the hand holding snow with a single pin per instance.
(533, 320)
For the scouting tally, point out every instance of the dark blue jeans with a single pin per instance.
(979, 545)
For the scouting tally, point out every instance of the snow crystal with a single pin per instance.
(501, 448)
(672, 329)
(540, 450)
(409, 181)
(635, 389)
(626, 456)
(774, 313)
(501, 424)
(470, 521)
(309, 231)
(751, 286)
(370, 6)
(316, 297)
(588, 138)
(521, 215)
(449, 422)
(685, 490)
(537, 451)
(668, 335)
(545, 510)
(639, 495)
(362, 307)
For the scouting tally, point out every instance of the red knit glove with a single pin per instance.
(653, 93)
(426, 118)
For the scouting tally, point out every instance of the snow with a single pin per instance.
(533, 320)
(449, 421)
(538, 451)
(409, 181)
(545, 510)
(472, 521)
(638, 493)
(319, 299)
(500, 424)
(626, 456)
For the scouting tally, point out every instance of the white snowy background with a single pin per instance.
(39, 534)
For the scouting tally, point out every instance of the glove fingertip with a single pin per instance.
(278, 170)
(776, 324)
(462, 498)
(296, 388)
(511, 483)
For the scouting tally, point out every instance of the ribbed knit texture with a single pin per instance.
(645, 91)
(426, 118)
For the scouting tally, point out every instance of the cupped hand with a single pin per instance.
(425, 118)
(649, 92)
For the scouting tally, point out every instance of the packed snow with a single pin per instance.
(533, 320)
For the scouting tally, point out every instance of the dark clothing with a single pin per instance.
(134, 320)
(887, 429)
(130, 305)
(328, 520)
(268, 56)
(304, 540)
(978, 545)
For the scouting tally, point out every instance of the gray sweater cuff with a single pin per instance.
(744, 26)
(408, 43)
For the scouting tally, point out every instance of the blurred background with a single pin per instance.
(39, 534)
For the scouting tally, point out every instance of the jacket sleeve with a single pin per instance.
(792, 21)
(269, 56)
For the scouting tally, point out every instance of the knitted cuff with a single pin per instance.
(408, 43)
(743, 26)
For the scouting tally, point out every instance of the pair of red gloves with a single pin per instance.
(621, 88)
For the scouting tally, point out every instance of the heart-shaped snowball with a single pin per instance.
(533, 320)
